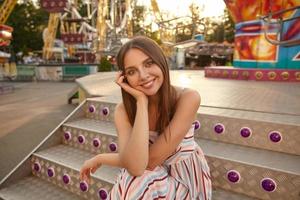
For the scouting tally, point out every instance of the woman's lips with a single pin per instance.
(148, 84)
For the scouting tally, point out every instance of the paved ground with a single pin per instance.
(27, 115)
(257, 96)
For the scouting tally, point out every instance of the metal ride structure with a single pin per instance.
(267, 41)
(169, 28)
(6, 9)
(87, 37)
(5, 38)
(6, 31)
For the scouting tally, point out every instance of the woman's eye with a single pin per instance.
(130, 72)
(149, 63)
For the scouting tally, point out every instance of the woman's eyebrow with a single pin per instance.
(130, 67)
(144, 61)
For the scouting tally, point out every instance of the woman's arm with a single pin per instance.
(111, 159)
(91, 165)
(183, 118)
(133, 141)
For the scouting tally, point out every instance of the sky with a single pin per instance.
(181, 7)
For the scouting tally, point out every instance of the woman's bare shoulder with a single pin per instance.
(188, 95)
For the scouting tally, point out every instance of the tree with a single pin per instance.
(229, 27)
(28, 22)
(220, 29)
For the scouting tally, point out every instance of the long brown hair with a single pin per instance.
(167, 93)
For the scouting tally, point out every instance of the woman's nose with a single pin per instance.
(143, 74)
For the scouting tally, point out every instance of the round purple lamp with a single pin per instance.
(219, 128)
(81, 139)
(105, 111)
(67, 135)
(113, 147)
(197, 125)
(83, 186)
(66, 178)
(233, 176)
(51, 172)
(268, 184)
(92, 108)
(96, 142)
(275, 136)
(103, 194)
(36, 167)
(246, 132)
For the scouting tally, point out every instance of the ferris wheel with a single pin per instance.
(100, 31)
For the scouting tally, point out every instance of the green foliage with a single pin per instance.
(221, 30)
(28, 22)
(105, 65)
(229, 27)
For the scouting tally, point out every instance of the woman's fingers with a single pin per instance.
(134, 92)
(93, 170)
(85, 174)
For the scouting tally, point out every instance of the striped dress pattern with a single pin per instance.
(184, 175)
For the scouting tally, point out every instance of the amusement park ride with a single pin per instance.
(267, 41)
(6, 31)
(97, 32)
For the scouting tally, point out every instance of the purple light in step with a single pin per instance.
(51, 172)
(81, 139)
(245, 132)
(36, 167)
(197, 125)
(68, 135)
(92, 108)
(103, 194)
(83, 186)
(96, 142)
(268, 184)
(275, 136)
(233, 176)
(66, 178)
(219, 128)
(105, 111)
(113, 147)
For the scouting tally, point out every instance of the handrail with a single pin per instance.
(41, 143)
(267, 22)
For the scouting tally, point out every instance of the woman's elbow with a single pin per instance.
(135, 169)
(136, 172)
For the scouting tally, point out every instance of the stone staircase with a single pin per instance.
(251, 155)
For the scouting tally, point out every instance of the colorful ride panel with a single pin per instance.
(267, 33)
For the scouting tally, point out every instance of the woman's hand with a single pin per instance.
(138, 95)
(89, 166)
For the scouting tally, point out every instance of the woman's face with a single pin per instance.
(142, 73)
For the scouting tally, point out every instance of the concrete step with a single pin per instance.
(243, 170)
(270, 131)
(219, 194)
(34, 188)
(222, 158)
(63, 163)
(91, 135)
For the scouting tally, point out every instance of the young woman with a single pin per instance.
(157, 152)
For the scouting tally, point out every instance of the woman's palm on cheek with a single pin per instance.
(137, 94)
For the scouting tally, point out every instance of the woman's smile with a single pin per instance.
(148, 84)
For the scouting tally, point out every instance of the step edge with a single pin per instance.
(249, 162)
(71, 167)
